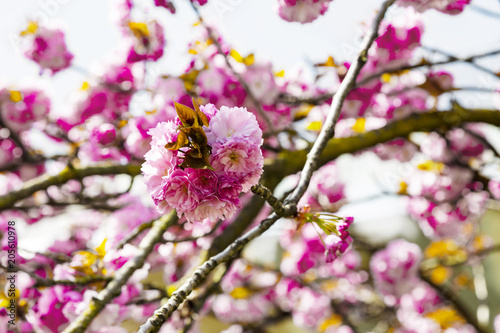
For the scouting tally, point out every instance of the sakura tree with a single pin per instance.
(160, 181)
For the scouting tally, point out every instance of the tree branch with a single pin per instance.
(451, 59)
(43, 182)
(161, 315)
(238, 76)
(154, 323)
(83, 281)
(135, 233)
(279, 208)
(286, 162)
(328, 129)
(449, 294)
(121, 277)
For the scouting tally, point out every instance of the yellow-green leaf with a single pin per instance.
(186, 114)
(201, 116)
(182, 141)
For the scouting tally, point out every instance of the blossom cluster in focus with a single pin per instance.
(235, 161)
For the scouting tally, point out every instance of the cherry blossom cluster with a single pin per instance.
(47, 47)
(21, 107)
(303, 11)
(396, 277)
(452, 7)
(236, 162)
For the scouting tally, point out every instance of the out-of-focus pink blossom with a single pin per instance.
(494, 187)
(148, 41)
(47, 48)
(464, 144)
(437, 181)
(394, 104)
(395, 269)
(303, 11)
(452, 7)
(261, 82)
(103, 134)
(327, 189)
(396, 43)
(166, 4)
(448, 220)
(109, 97)
(7, 153)
(399, 149)
(435, 146)
(21, 108)
(49, 312)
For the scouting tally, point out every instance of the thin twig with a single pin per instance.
(134, 233)
(447, 292)
(240, 78)
(279, 208)
(328, 129)
(424, 63)
(46, 282)
(192, 239)
(469, 60)
(43, 182)
(154, 323)
(121, 277)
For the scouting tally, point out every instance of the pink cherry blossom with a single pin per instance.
(103, 134)
(233, 123)
(494, 187)
(395, 269)
(21, 108)
(148, 41)
(48, 49)
(237, 157)
(452, 7)
(201, 194)
(303, 11)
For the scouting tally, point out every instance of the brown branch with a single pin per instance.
(286, 162)
(81, 281)
(154, 323)
(238, 76)
(424, 63)
(328, 129)
(46, 282)
(135, 233)
(192, 239)
(121, 277)
(279, 208)
(448, 294)
(43, 182)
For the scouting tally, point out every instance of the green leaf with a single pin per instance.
(187, 115)
(201, 116)
(196, 163)
(182, 141)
